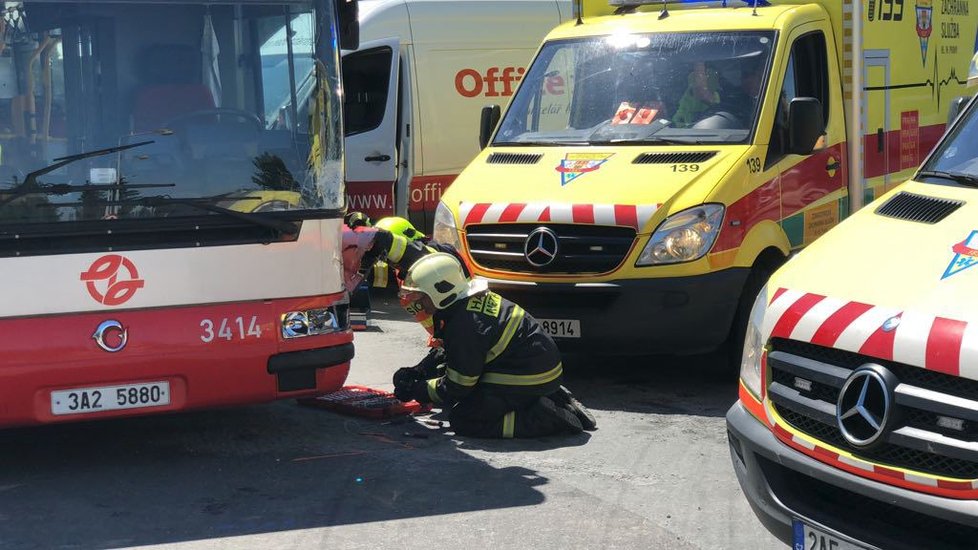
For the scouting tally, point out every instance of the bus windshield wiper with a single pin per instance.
(957, 177)
(207, 203)
(66, 188)
(30, 185)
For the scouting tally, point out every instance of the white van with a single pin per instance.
(415, 89)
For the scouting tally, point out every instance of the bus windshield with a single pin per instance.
(137, 109)
(641, 89)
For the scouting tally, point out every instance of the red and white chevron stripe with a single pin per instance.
(627, 215)
(934, 485)
(922, 340)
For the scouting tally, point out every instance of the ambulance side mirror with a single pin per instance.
(487, 124)
(957, 106)
(805, 125)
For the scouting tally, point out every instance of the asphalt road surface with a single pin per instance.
(655, 475)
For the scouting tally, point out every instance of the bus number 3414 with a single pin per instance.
(229, 329)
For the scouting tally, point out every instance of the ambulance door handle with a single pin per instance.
(880, 138)
(378, 158)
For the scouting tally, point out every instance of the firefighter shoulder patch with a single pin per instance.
(488, 303)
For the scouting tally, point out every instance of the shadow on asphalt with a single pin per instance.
(262, 469)
(661, 384)
(701, 385)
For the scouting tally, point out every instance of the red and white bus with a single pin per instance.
(171, 200)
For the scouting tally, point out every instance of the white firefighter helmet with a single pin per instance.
(440, 277)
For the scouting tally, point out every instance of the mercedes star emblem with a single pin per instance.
(541, 247)
(863, 410)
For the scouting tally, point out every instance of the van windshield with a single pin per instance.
(641, 89)
(214, 106)
(957, 155)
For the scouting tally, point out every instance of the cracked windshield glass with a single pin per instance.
(105, 117)
(641, 89)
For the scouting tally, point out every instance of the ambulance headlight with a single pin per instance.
(754, 353)
(445, 230)
(315, 322)
(683, 237)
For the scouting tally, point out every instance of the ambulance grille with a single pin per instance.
(513, 158)
(674, 158)
(918, 208)
(581, 249)
(804, 385)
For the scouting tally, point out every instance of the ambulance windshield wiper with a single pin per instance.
(957, 177)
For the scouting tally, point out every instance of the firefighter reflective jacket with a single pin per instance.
(492, 342)
(402, 253)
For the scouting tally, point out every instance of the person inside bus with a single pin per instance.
(502, 373)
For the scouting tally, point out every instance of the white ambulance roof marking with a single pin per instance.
(856, 334)
(532, 212)
(777, 309)
(644, 213)
(561, 213)
(815, 318)
(910, 344)
(604, 214)
(464, 208)
(969, 352)
(494, 212)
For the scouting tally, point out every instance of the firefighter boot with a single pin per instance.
(545, 418)
(564, 398)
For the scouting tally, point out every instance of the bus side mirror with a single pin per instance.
(957, 106)
(805, 125)
(487, 124)
(348, 20)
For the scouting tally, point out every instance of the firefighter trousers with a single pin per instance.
(490, 413)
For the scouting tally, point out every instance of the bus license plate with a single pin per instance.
(110, 398)
(561, 328)
(807, 537)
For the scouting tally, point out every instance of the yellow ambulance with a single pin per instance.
(694, 147)
(857, 425)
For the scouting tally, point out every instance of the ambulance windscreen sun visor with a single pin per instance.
(641, 89)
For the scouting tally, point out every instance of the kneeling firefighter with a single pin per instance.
(501, 376)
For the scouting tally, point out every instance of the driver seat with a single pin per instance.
(170, 77)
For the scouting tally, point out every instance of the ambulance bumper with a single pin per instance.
(783, 485)
(632, 317)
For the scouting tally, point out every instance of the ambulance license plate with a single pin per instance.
(110, 398)
(807, 537)
(561, 328)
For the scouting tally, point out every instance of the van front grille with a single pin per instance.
(581, 249)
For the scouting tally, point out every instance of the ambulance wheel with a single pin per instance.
(734, 346)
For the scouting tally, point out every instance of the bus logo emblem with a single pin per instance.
(112, 280)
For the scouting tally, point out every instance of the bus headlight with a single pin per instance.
(315, 322)
(683, 237)
(752, 358)
(445, 230)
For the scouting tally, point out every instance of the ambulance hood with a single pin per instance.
(885, 285)
(588, 185)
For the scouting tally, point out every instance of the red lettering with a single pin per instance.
(555, 85)
(464, 90)
(470, 83)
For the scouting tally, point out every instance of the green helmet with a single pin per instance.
(400, 226)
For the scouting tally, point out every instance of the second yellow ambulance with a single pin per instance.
(695, 146)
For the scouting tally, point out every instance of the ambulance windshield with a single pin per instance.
(956, 158)
(641, 89)
(146, 109)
